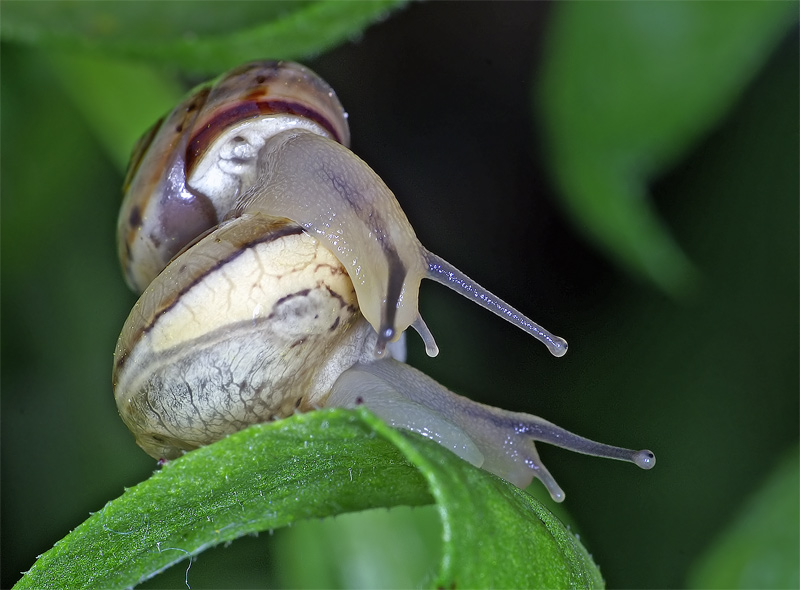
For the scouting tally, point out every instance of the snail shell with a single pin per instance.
(161, 214)
(278, 273)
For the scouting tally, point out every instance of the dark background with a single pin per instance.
(439, 100)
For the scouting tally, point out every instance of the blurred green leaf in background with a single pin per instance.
(760, 549)
(627, 88)
(666, 131)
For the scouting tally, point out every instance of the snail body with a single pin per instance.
(278, 274)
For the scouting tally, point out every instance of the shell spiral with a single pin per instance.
(161, 214)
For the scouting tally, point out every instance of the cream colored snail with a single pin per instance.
(278, 273)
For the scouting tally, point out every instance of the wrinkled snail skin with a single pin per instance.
(278, 274)
(371, 236)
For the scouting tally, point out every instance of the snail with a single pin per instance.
(278, 274)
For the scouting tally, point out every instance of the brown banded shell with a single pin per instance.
(239, 329)
(160, 214)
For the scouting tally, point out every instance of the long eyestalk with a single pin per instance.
(445, 273)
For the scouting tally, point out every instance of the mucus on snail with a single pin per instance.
(277, 274)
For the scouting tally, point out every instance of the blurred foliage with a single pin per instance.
(359, 549)
(205, 38)
(438, 98)
(622, 102)
(760, 548)
(115, 98)
(311, 466)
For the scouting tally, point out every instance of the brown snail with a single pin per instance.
(278, 273)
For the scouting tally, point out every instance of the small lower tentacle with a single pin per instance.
(431, 349)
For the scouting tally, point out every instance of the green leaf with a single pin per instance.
(205, 37)
(529, 547)
(118, 99)
(626, 89)
(311, 466)
(761, 548)
(397, 548)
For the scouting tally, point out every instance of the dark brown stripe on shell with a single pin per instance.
(250, 110)
(289, 229)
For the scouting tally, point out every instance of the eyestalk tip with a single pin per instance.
(385, 336)
(644, 459)
(557, 346)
